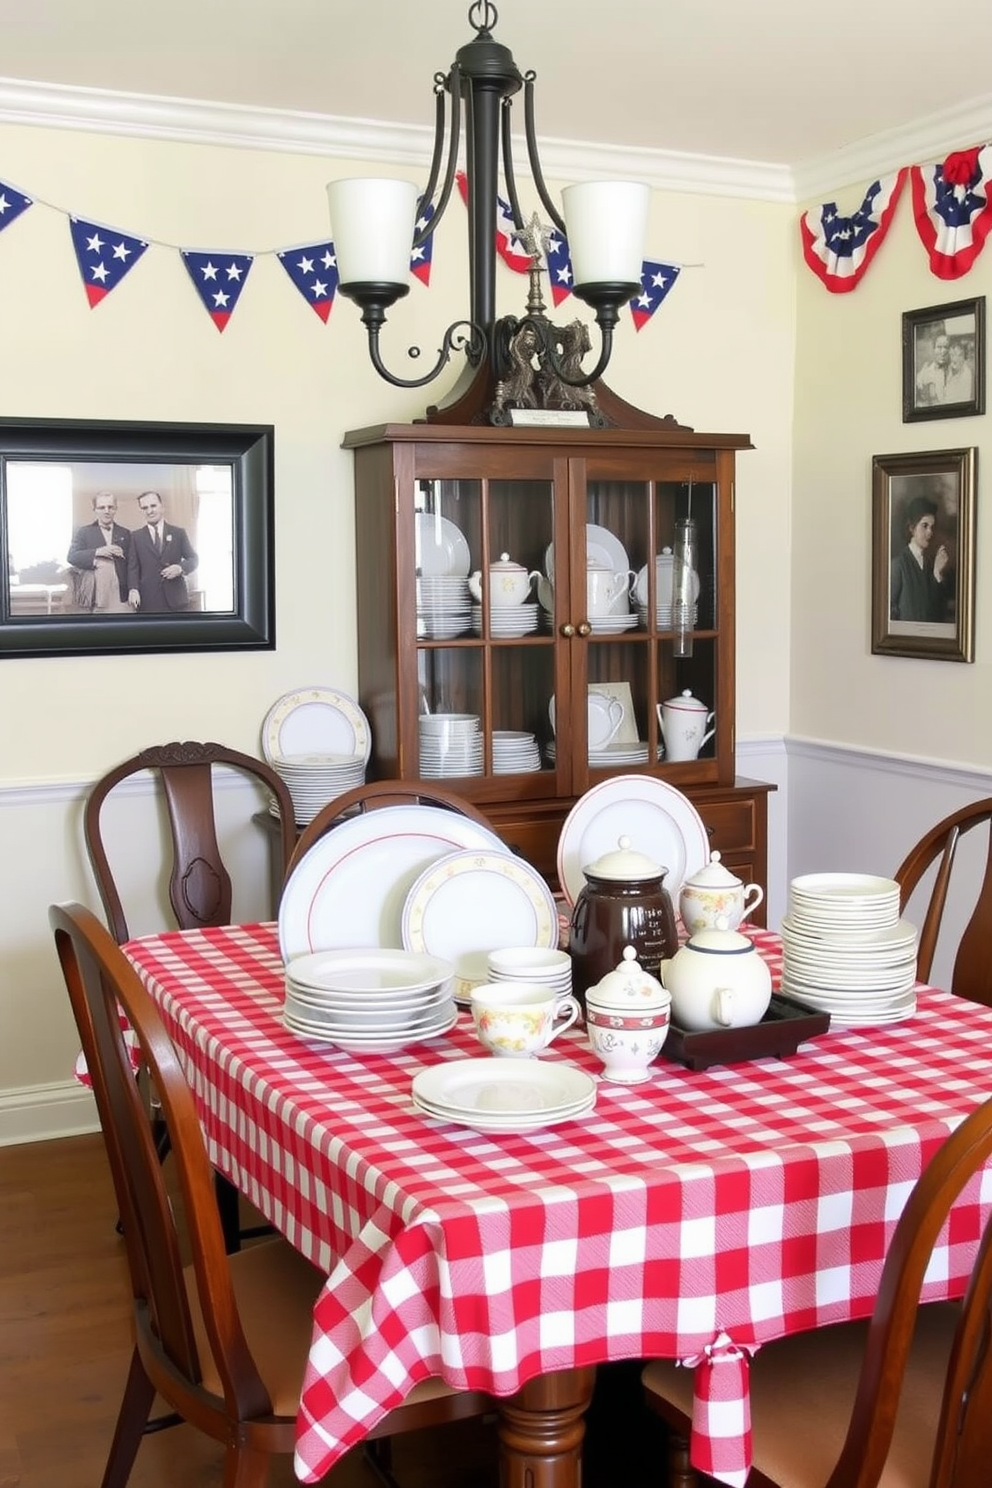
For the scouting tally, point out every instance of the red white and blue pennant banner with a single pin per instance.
(106, 255)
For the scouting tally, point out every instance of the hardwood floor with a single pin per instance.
(65, 1347)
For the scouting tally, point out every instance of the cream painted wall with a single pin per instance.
(849, 408)
(719, 356)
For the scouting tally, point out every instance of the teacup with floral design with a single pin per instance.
(517, 1020)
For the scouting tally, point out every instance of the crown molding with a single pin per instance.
(54, 106)
(924, 139)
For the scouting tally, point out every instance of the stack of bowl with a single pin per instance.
(443, 606)
(450, 744)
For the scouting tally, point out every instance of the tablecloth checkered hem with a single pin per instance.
(720, 1444)
(80, 1070)
(758, 1200)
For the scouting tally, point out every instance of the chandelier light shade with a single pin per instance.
(606, 224)
(374, 227)
(373, 221)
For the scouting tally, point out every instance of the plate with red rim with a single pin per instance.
(659, 820)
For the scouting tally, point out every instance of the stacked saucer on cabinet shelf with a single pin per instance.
(515, 752)
(443, 606)
(846, 951)
(450, 745)
(319, 741)
(507, 621)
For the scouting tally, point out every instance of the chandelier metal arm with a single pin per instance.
(534, 159)
(440, 85)
(508, 173)
(461, 335)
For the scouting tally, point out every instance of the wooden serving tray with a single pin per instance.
(784, 1027)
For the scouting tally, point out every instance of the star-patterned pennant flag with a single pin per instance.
(421, 258)
(12, 204)
(313, 268)
(952, 205)
(507, 246)
(219, 279)
(839, 249)
(559, 268)
(104, 256)
(656, 280)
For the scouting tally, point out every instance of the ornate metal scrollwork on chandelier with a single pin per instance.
(375, 221)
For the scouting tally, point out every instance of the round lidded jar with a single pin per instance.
(627, 1018)
(623, 903)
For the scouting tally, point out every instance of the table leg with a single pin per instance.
(541, 1430)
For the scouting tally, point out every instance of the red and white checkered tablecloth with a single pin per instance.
(694, 1217)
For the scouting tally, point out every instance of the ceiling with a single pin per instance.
(784, 81)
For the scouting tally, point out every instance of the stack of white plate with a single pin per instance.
(450, 745)
(515, 752)
(664, 618)
(369, 1001)
(315, 779)
(443, 606)
(846, 951)
(614, 754)
(503, 1096)
(507, 620)
(612, 624)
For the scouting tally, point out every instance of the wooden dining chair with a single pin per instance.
(904, 1400)
(374, 794)
(200, 885)
(972, 976)
(224, 1338)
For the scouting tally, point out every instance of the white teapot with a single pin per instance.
(713, 893)
(509, 583)
(683, 723)
(717, 980)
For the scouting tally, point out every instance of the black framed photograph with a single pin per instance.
(943, 361)
(135, 537)
(923, 554)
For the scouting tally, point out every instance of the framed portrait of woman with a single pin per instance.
(923, 544)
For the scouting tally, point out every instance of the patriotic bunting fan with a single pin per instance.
(839, 249)
(953, 209)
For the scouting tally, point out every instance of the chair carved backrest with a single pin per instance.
(972, 976)
(101, 982)
(963, 1448)
(376, 793)
(200, 888)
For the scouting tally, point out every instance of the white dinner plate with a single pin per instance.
(494, 1126)
(348, 891)
(659, 820)
(316, 721)
(473, 902)
(368, 973)
(603, 548)
(441, 547)
(502, 1088)
(388, 1043)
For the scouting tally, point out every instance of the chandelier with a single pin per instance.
(377, 223)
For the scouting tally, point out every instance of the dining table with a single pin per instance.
(695, 1216)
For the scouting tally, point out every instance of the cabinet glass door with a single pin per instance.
(486, 657)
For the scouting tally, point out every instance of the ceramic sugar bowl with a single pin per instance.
(713, 894)
(509, 582)
(627, 1017)
(717, 980)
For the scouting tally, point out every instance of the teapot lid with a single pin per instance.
(625, 862)
(628, 984)
(506, 564)
(685, 702)
(722, 941)
(713, 876)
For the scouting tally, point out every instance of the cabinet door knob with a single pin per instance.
(585, 628)
(568, 630)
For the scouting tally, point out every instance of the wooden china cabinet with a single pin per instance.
(445, 500)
